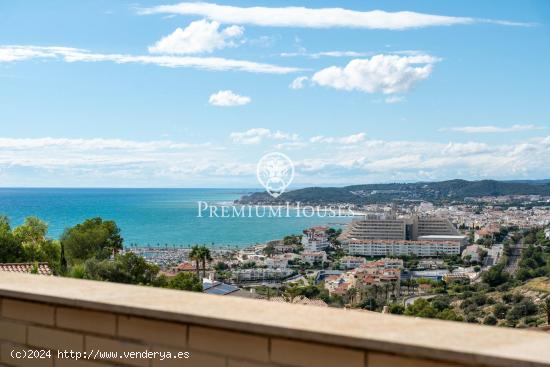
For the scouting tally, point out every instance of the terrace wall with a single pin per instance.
(50, 313)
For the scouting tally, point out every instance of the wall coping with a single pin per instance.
(421, 338)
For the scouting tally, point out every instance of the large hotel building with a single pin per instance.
(389, 235)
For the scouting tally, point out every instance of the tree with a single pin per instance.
(28, 243)
(205, 256)
(32, 231)
(94, 238)
(545, 306)
(495, 276)
(11, 249)
(351, 295)
(490, 320)
(292, 240)
(448, 314)
(186, 282)
(195, 255)
(128, 268)
(291, 291)
(386, 287)
(221, 266)
(500, 310)
(396, 308)
(421, 308)
(269, 250)
(441, 302)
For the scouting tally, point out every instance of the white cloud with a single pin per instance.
(20, 53)
(294, 16)
(353, 139)
(198, 37)
(128, 163)
(257, 135)
(95, 144)
(348, 140)
(394, 99)
(493, 129)
(317, 55)
(381, 73)
(298, 83)
(226, 98)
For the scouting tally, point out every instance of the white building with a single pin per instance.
(401, 248)
(314, 256)
(277, 262)
(459, 238)
(547, 232)
(251, 275)
(315, 239)
(352, 262)
(473, 251)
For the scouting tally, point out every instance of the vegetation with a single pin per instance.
(94, 238)
(521, 298)
(435, 308)
(200, 254)
(383, 193)
(89, 250)
(28, 243)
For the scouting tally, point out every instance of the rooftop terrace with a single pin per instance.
(44, 312)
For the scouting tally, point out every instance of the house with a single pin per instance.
(280, 246)
(487, 231)
(254, 275)
(38, 268)
(185, 266)
(385, 263)
(312, 257)
(277, 262)
(352, 262)
(473, 252)
(315, 239)
(385, 270)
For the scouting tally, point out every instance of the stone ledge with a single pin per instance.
(452, 342)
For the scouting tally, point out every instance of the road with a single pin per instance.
(513, 259)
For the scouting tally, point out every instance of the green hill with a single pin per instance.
(378, 193)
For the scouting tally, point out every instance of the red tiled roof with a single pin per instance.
(43, 268)
(186, 266)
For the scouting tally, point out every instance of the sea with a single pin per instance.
(153, 217)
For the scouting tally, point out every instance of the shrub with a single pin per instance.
(500, 310)
(396, 308)
(186, 282)
(490, 320)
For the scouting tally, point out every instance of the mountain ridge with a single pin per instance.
(449, 190)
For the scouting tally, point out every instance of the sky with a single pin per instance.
(193, 94)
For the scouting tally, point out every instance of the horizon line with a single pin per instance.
(260, 188)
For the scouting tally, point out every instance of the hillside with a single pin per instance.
(377, 193)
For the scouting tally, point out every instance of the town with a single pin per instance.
(388, 259)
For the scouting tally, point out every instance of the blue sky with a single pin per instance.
(125, 94)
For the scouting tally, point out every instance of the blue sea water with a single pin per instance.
(149, 217)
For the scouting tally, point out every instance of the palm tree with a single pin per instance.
(377, 288)
(269, 250)
(195, 255)
(205, 256)
(292, 291)
(387, 287)
(351, 295)
(393, 289)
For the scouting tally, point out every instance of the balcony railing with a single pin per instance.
(52, 315)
